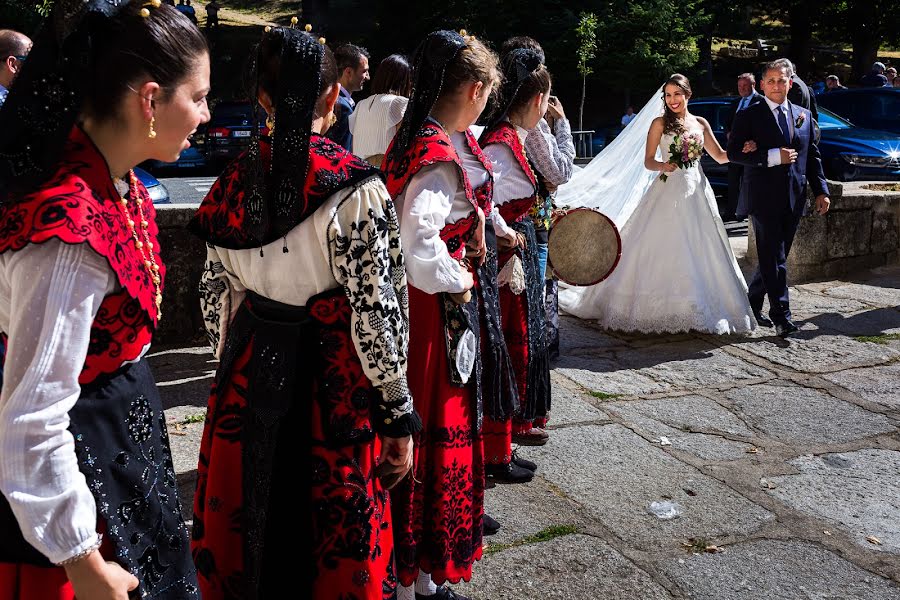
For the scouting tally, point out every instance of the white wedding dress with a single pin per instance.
(677, 272)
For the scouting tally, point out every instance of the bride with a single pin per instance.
(677, 272)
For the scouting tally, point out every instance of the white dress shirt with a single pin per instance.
(774, 154)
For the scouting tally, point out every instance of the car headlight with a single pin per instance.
(867, 160)
(158, 194)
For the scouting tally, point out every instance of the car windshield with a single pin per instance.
(231, 111)
(829, 120)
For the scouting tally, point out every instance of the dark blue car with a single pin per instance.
(849, 153)
(158, 192)
(872, 108)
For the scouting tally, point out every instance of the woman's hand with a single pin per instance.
(506, 243)
(749, 146)
(93, 578)
(668, 167)
(398, 452)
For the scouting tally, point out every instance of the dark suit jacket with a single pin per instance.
(754, 99)
(800, 95)
(772, 190)
(339, 133)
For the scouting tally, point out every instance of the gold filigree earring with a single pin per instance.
(152, 133)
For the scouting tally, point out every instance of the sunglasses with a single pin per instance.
(20, 58)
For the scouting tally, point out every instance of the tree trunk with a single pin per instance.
(801, 34)
(866, 35)
(581, 109)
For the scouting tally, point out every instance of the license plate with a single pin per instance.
(241, 134)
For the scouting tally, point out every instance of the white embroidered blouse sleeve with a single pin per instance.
(50, 329)
(510, 183)
(427, 202)
(553, 153)
(220, 297)
(367, 260)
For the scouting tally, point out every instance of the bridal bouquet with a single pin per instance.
(685, 151)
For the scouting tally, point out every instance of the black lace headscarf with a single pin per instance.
(83, 60)
(44, 103)
(517, 67)
(276, 201)
(430, 63)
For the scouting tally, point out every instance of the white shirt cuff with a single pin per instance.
(774, 157)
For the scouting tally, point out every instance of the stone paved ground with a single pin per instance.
(782, 459)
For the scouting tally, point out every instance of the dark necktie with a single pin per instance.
(785, 130)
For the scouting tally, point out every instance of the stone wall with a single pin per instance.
(861, 231)
(184, 256)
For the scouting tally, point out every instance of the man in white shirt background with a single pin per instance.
(14, 47)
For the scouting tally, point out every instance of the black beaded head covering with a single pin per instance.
(43, 105)
(276, 201)
(517, 66)
(430, 65)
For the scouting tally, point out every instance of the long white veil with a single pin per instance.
(616, 179)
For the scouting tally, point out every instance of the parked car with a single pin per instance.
(849, 153)
(193, 157)
(228, 131)
(872, 108)
(158, 192)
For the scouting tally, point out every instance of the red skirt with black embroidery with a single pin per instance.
(437, 515)
(327, 532)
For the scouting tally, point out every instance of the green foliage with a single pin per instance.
(24, 15)
(587, 42)
(645, 41)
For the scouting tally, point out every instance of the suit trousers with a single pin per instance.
(774, 237)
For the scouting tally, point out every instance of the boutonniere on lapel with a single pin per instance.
(801, 119)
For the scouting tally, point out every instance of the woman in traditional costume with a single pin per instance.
(86, 470)
(438, 512)
(523, 101)
(305, 300)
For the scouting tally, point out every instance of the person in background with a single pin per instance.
(832, 83)
(376, 119)
(875, 77)
(746, 85)
(14, 47)
(891, 74)
(628, 117)
(551, 149)
(353, 73)
(212, 14)
(800, 95)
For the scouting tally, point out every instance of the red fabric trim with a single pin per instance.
(504, 133)
(80, 204)
(223, 218)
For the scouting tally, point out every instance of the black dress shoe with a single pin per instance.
(762, 320)
(489, 525)
(523, 462)
(443, 593)
(785, 329)
(510, 473)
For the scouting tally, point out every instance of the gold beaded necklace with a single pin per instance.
(145, 246)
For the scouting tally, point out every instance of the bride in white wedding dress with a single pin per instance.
(677, 272)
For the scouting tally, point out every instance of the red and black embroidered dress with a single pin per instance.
(311, 328)
(522, 315)
(117, 422)
(438, 514)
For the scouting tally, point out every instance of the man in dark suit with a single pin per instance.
(800, 95)
(353, 72)
(746, 84)
(775, 178)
